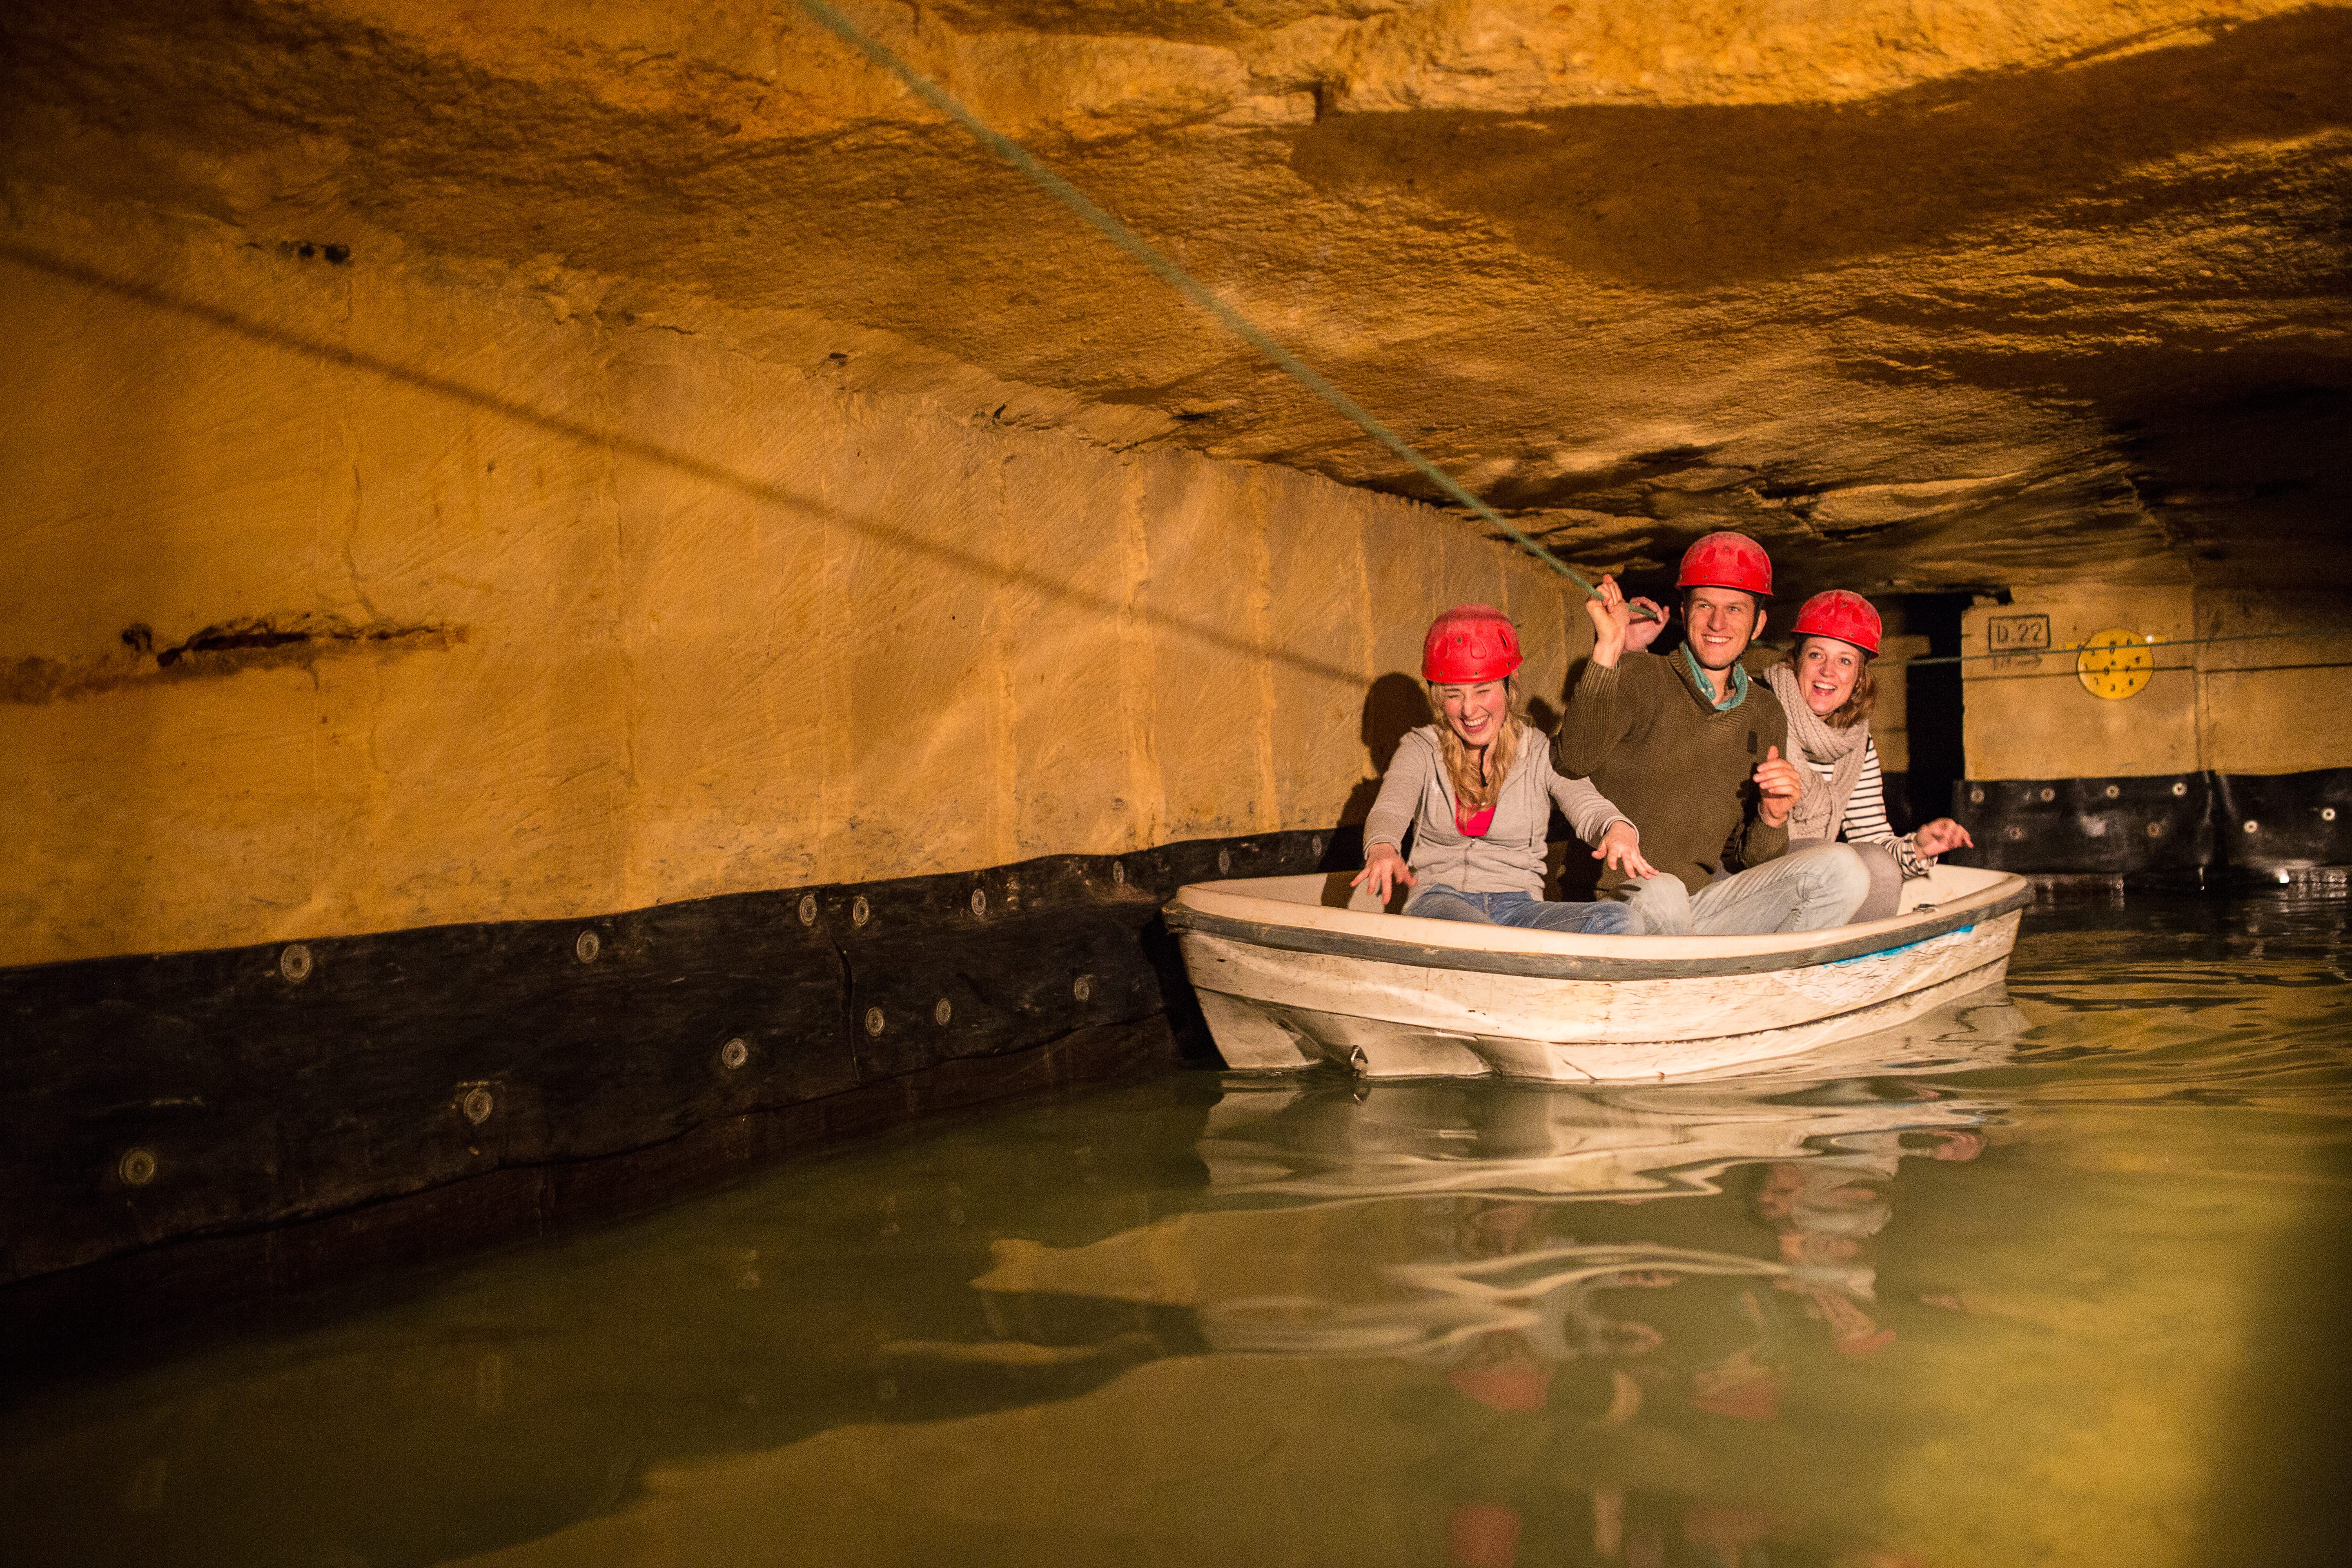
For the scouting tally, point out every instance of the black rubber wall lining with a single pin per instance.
(155, 1099)
(2187, 825)
(144, 1099)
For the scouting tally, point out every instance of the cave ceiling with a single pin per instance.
(1929, 296)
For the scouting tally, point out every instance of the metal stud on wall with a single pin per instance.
(1054, 946)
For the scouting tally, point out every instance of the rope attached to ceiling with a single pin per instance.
(1135, 244)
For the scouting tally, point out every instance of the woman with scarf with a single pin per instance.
(1827, 688)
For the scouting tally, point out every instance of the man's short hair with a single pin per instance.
(1755, 601)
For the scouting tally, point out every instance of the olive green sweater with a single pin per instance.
(1652, 743)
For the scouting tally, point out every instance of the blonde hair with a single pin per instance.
(1855, 709)
(1470, 792)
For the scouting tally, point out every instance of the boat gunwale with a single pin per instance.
(2013, 893)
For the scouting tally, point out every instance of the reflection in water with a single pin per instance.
(1543, 1299)
(2051, 1279)
(1500, 1302)
(1500, 1157)
(1323, 1139)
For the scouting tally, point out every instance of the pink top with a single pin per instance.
(1474, 826)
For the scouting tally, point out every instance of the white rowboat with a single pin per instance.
(1291, 973)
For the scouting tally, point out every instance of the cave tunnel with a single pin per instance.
(637, 651)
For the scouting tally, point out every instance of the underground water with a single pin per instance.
(2057, 1274)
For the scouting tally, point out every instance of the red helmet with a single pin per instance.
(1521, 1382)
(1727, 561)
(1845, 616)
(1470, 643)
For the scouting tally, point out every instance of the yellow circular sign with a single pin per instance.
(2115, 665)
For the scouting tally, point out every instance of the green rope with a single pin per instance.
(1127, 239)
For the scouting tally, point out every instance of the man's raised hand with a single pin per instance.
(1643, 632)
(1613, 619)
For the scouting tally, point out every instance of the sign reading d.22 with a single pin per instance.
(2017, 633)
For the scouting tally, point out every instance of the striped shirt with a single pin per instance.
(1865, 811)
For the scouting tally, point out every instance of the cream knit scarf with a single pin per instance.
(1820, 812)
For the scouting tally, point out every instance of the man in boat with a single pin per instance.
(1694, 753)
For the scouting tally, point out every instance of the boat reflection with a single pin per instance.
(1535, 1254)
(1331, 1138)
(1490, 1166)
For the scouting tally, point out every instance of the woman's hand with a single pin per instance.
(1780, 783)
(1613, 620)
(1640, 634)
(1941, 837)
(1384, 871)
(1620, 848)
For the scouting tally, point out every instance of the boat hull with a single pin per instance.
(1273, 1003)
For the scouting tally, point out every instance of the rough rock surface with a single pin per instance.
(1930, 295)
(340, 599)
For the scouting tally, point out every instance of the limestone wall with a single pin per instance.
(347, 597)
(2241, 683)
(1890, 716)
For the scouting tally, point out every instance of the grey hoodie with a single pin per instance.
(1510, 857)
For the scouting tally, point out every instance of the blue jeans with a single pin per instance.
(1437, 901)
(1814, 886)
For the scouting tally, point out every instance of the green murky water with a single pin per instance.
(2059, 1277)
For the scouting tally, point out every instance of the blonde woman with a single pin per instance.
(1827, 687)
(1476, 787)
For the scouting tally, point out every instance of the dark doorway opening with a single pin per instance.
(1932, 693)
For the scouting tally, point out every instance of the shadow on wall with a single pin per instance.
(1709, 195)
(757, 491)
(1393, 707)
